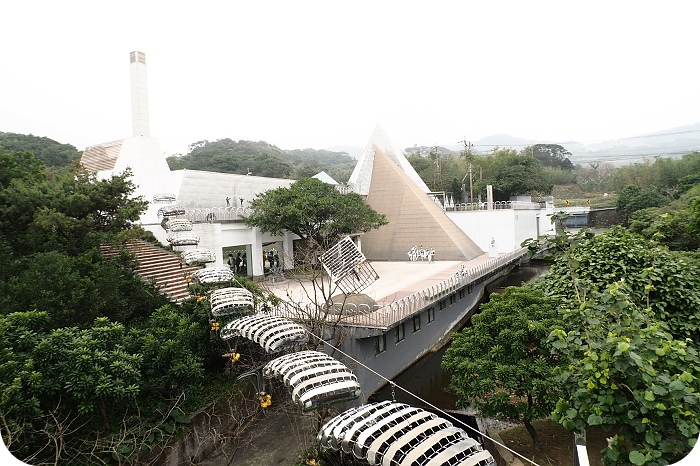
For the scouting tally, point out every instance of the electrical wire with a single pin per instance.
(393, 384)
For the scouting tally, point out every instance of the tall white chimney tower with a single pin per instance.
(139, 95)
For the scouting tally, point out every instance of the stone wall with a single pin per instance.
(604, 217)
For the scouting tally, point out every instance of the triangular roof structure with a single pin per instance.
(415, 219)
(362, 174)
(325, 177)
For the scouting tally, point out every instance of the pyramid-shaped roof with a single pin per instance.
(415, 219)
(325, 177)
(362, 174)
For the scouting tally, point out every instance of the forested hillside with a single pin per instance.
(52, 153)
(262, 159)
(258, 158)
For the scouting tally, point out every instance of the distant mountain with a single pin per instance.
(263, 159)
(672, 142)
(504, 140)
(352, 151)
(52, 153)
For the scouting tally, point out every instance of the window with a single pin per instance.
(416, 323)
(431, 314)
(442, 304)
(461, 293)
(453, 298)
(380, 345)
(400, 332)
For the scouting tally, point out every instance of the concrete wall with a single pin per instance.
(604, 218)
(449, 314)
(507, 227)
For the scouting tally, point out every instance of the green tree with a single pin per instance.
(262, 159)
(627, 344)
(50, 152)
(673, 225)
(313, 210)
(502, 364)
(626, 373)
(665, 281)
(633, 198)
(511, 174)
(550, 155)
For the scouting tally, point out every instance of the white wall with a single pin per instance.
(507, 227)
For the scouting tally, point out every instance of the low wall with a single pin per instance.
(604, 217)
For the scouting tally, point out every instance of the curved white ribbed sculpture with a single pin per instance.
(171, 210)
(212, 275)
(227, 301)
(198, 256)
(177, 224)
(163, 198)
(314, 378)
(185, 238)
(396, 434)
(273, 333)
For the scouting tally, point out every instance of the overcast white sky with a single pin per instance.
(320, 74)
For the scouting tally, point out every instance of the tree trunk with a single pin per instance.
(530, 428)
(533, 433)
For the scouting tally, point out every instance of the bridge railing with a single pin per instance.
(385, 317)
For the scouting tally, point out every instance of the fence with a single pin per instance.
(213, 214)
(497, 205)
(384, 317)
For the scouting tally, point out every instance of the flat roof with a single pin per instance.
(396, 280)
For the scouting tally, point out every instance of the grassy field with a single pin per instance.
(578, 198)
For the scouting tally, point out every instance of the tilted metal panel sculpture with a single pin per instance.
(348, 267)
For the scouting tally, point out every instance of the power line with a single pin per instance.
(408, 392)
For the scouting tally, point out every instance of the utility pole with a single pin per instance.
(437, 174)
(468, 157)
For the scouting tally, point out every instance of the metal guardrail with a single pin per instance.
(497, 205)
(214, 214)
(400, 310)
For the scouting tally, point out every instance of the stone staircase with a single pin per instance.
(160, 266)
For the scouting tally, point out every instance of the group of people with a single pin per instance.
(238, 263)
(273, 260)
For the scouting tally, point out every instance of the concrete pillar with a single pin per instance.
(489, 197)
(139, 95)
(256, 253)
(288, 251)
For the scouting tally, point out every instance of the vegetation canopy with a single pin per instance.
(313, 210)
